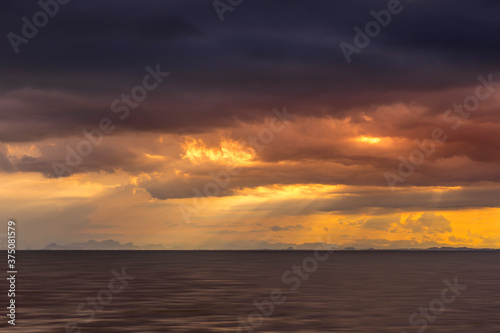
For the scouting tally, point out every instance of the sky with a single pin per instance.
(156, 122)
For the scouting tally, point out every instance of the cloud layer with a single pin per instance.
(210, 129)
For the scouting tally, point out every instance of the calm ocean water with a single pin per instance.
(207, 291)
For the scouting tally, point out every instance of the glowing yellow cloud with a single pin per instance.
(20, 150)
(368, 139)
(156, 157)
(32, 186)
(288, 191)
(229, 151)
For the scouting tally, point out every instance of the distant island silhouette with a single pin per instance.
(112, 245)
(103, 245)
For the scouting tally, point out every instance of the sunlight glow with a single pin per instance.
(156, 157)
(229, 151)
(289, 191)
(367, 139)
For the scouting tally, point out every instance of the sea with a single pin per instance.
(255, 291)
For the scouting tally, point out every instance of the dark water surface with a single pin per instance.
(206, 291)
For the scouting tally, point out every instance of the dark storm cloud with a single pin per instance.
(264, 55)
(282, 48)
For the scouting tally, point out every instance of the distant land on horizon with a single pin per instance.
(112, 245)
(103, 245)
